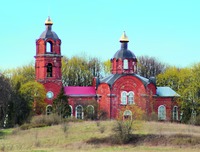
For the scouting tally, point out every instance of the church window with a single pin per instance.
(175, 113)
(125, 64)
(90, 112)
(49, 70)
(49, 109)
(48, 47)
(71, 110)
(162, 112)
(131, 97)
(79, 112)
(127, 115)
(124, 97)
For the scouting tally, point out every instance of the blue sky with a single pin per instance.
(166, 29)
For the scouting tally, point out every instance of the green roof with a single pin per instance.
(166, 92)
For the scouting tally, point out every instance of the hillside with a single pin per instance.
(95, 136)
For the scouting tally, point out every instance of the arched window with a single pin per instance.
(175, 113)
(127, 115)
(49, 109)
(90, 112)
(48, 47)
(125, 64)
(124, 97)
(49, 70)
(79, 112)
(71, 110)
(161, 112)
(131, 97)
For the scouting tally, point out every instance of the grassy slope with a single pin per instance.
(152, 137)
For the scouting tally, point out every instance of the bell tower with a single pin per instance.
(48, 62)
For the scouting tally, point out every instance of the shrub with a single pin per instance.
(53, 119)
(46, 120)
(42, 121)
(122, 132)
(25, 126)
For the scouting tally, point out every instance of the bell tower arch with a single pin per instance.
(48, 62)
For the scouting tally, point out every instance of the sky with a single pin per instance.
(168, 30)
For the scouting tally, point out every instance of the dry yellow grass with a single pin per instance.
(76, 135)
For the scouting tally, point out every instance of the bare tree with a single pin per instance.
(150, 66)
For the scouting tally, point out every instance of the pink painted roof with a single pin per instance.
(76, 90)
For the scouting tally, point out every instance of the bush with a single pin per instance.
(122, 132)
(25, 126)
(46, 120)
(42, 121)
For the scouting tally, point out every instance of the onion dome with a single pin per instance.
(124, 53)
(48, 33)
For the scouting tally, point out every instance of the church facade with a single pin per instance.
(113, 95)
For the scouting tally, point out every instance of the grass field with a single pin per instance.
(94, 136)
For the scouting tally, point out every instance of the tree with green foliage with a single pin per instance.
(186, 82)
(34, 94)
(21, 75)
(19, 109)
(79, 71)
(6, 94)
(107, 67)
(61, 106)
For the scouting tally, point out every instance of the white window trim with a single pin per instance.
(71, 110)
(164, 118)
(92, 107)
(127, 115)
(82, 111)
(47, 108)
(131, 92)
(176, 112)
(122, 97)
(125, 64)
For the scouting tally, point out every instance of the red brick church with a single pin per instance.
(113, 94)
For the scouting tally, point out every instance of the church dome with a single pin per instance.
(124, 53)
(48, 33)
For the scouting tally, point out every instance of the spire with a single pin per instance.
(48, 21)
(124, 38)
(48, 33)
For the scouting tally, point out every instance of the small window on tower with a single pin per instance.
(125, 64)
(48, 47)
(49, 70)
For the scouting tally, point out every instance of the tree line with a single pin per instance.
(22, 97)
